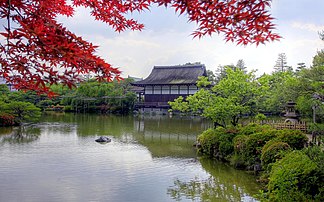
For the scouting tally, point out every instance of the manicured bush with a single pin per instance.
(294, 178)
(217, 142)
(316, 154)
(295, 138)
(254, 128)
(272, 151)
(253, 146)
(208, 141)
(226, 148)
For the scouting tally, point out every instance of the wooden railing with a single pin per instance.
(301, 125)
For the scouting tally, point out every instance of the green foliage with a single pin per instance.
(253, 146)
(260, 117)
(295, 138)
(104, 97)
(179, 105)
(276, 90)
(233, 96)
(254, 139)
(209, 140)
(239, 143)
(310, 83)
(43, 104)
(217, 142)
(4, 90)
(23, 111)
(203, 82)
(295, 178)
(272, 151)
(250, 143)
(254, 128)
(316, 154)
(318, 59)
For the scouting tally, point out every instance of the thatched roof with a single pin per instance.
(172, 75)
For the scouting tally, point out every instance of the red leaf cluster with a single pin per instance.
(7, 119)
(37, 51)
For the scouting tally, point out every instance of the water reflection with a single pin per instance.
(163, 136)
(223, 184)
(149, 159)
(19, 135)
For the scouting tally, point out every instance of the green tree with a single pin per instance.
(92, 95)
(310, 85)
(241, 65)
(276, 90)
(281, 63)
(23, 111)
(233, 97)
(300, 66)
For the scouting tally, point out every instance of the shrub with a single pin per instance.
(316, 154)
(68, 108)
(273, 151)
(294, 178)
(253, 128)
(253, 146)
(295, 138)
(217, 142)
(239, 143)
(208, 141)
(226, 148)
(260, 117)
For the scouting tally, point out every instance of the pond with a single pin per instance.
(149, 159)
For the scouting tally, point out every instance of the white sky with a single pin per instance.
(167, 40)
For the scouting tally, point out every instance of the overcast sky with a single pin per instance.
(167, 40)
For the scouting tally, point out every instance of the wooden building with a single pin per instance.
(165, 83)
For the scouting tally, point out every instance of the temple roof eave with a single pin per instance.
(173, 75)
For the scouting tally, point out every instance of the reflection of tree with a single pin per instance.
(21, 134)
(5, 130)
(164, 136)
(224, 184)
(91, 124)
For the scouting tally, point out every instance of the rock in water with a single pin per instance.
(103, 139)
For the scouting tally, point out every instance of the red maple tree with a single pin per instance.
(37, 51)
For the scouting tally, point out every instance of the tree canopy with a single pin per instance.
(37, 50)
(230, 99)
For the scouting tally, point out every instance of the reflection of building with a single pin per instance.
(165, 83)
(10, 86)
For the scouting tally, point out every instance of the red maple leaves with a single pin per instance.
(37, 51)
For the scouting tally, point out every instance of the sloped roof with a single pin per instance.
(171, 75)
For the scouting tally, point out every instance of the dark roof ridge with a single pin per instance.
(174, 75)
(180, 66)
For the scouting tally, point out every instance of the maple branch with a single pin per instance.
(42, 51)
(8, 21)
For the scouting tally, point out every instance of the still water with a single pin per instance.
(149, 159)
